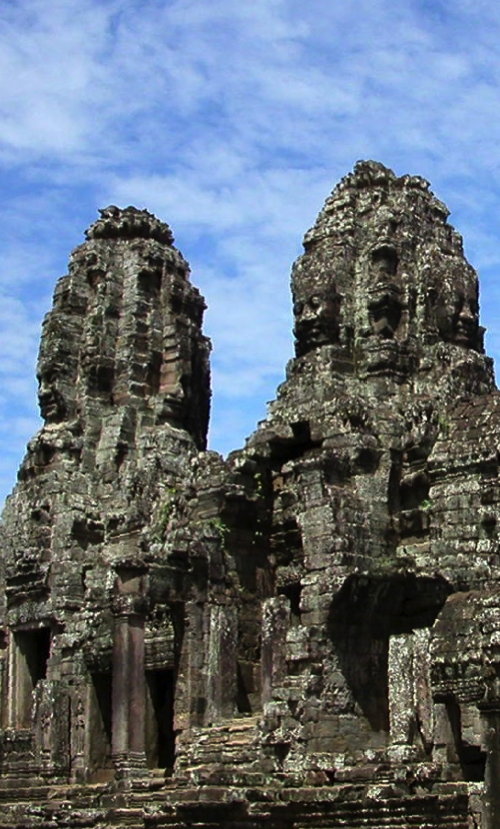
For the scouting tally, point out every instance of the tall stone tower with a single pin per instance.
(365, 532)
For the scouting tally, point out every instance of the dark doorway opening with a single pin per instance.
(471, 758)
(160, 735)
(243, 682)
(32, 651)
(99, 726)
(364, 614)
(34, 646)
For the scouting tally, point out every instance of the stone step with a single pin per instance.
(131, 817)
(236, 725)
(22, 817)
(223, 802)
(28, 793)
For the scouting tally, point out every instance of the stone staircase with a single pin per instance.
(152, 805)
(218, 784)
(48, 807)
(317, 808)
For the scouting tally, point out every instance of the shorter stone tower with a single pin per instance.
(89, 655)
(125, 332)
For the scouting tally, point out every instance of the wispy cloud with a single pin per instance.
(232, 122)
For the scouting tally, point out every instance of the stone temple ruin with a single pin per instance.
(304, 635)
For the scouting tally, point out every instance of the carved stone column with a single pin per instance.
(128, 683)
(221, 663)
(51, 728)
(275, 623)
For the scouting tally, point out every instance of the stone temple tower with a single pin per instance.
(382, 537)
(124, 392)
(305, 634)
(125, 332)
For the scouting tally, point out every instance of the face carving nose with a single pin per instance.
(466, 313)
(309, 312)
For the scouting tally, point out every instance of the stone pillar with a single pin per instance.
(410, 699)
(120, 688)
(128, 680)
(275, 623)
(491, 805)
(400, 682)
(51, 728)
(221, 663)
(137, 681)
(188, 686)
(79, 716)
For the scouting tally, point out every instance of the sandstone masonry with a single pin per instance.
(304, 635)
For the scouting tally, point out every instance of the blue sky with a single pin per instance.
(232, 122)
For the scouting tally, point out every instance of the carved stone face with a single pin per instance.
(316, 320)
(385, 311)
(457, 313)
(385, 305)
(53, 408)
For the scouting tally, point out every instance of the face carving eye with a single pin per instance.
(315, 302)
(298, 308)
(47, 377)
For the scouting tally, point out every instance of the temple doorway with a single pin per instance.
(29, 657)
(99, 725)
(160, 735)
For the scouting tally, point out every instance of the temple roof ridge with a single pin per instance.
(127, 223)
